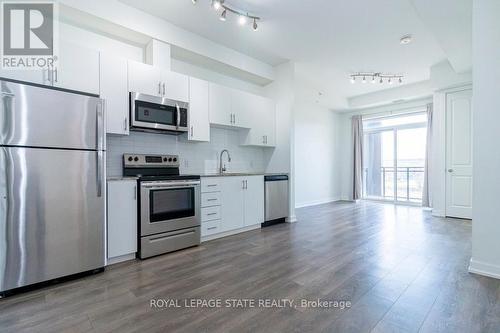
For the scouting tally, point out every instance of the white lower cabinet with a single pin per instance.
(240, 204)
(122, 220)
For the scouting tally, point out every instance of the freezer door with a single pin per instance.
(52, 219)
(42, 117)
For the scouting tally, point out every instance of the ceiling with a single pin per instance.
(329, 39)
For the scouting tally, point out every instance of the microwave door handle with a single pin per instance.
(178, 115)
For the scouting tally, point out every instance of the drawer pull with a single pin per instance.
(211, 185)
(211, 228)
(211, 199)
(210, 214)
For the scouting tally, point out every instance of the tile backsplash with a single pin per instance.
(195, 157)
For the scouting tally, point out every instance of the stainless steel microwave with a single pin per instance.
(158, 114)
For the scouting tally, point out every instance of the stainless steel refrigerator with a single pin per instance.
(52, 192)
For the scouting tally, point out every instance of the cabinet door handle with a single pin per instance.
(234, 117)
(55, 70)
(192, 131)
(135, 192)
(159, 88)
(164, 89)
(125, 124)
(266, 139)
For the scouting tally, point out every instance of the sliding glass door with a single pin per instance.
(394, 158)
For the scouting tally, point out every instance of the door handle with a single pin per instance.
(450, 170)
(164, 89)
(178, 115)
(99, 172)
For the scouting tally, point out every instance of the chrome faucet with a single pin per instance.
(222, 168)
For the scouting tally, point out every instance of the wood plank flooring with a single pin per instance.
(401, 269)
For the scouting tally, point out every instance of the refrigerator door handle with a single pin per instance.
(99, 172)
(100, 125)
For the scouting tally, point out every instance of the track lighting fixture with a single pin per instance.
(223, 15)
(243, 17)
(391, 78)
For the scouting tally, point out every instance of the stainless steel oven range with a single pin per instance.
(169, 204)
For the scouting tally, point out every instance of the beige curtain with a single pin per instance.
(357, 135)
(426, 195)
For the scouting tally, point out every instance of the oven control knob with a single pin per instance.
(170, 159)
(130, 159)
(175, 159)
(136, 159)
(165, 159)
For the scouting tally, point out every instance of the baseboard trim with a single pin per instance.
(291, 219)
(230, 233)
(116, 260)
(437, 213)
(317, 202)
(485, 269)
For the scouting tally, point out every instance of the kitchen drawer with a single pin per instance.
(210, 228)
(210, 185)
(210, 199)
(210, 213)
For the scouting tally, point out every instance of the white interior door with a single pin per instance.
(459, 154)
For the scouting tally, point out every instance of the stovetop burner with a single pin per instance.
(153, 167)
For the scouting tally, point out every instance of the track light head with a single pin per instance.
(242, 20)
(400, 80)
(373, 79)
(223, 15)
(255, 26)
(390, 81)
(353, 79)
(381, 80)
(194, 2)
(364, 79)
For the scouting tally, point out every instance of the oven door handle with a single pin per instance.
(170, 185)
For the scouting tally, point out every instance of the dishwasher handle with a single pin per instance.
(275, 178)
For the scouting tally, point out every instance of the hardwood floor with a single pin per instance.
(401, 269)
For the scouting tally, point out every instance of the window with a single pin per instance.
(394, 157)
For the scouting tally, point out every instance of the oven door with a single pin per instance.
(169, 205)
(157, 113)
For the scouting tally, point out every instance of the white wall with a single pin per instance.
(138, 21)
(486, 118)
(316, 154)
(92, 40)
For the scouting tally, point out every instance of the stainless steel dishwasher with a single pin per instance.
(276, 199)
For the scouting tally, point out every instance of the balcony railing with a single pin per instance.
(409, 183)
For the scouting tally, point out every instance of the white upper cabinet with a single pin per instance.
(150, 80)
(220, 105)
(175, 86)
(144, 79)
(243, 106)
(77, 69)
(199, 126)
(263, 124)
(114, 90)
(34, 76)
